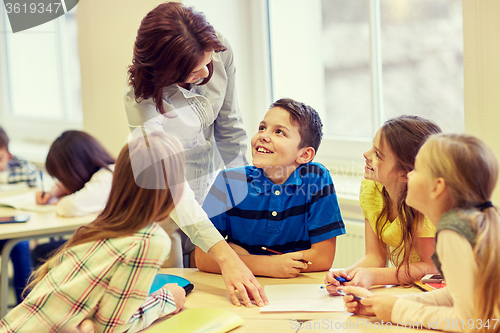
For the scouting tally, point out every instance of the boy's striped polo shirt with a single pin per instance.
(244, 205)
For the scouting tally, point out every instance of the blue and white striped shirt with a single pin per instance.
(244, 205)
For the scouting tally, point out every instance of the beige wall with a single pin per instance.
(482, 73)
(107, 31)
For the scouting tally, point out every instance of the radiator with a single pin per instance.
(351, 246)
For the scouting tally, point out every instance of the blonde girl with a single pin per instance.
(393, 231)
(452, 184)
(104, 272)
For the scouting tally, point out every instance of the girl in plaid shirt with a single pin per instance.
(104, 272)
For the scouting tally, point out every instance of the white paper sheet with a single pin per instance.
(301, 297)
(26, 201)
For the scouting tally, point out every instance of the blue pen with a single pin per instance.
(358, 298)
(338, 278)
(41, 182)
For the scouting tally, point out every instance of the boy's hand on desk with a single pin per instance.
(286, 265)
(179, 295)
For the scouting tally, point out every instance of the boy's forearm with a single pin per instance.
(258, 265)
(205, 262)
(319, 261)
(320, 255)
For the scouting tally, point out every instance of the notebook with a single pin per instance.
(199, 320)
(162, 279)
(25, 201)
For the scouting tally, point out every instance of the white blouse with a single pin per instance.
(91, 198)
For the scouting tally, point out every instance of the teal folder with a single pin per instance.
(162, 279)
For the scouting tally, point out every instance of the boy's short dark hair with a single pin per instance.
(310, 125)
(4, 139)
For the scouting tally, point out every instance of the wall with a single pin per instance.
(107, 31)
(482, 73)
(244, 28)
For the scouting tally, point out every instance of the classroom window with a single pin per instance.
(40, 79)
(362, 62)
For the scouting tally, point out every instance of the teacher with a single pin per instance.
(182, 81)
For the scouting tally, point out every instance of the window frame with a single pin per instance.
(24, 131)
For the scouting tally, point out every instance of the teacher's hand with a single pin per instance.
(237, 276)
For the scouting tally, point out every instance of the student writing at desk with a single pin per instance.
(452, 184)
(84, 170)
(393, 230)
(15, 170)
(284, 201)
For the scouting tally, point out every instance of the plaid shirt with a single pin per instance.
(106, 280)
(21, 171)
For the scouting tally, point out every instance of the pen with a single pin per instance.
(358, 298)
(41, 182)
(338, 278)
(301, 260)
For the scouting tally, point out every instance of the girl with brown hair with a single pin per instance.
(104, 272)
(83, 169)
(452, 184)
(182, 81)
(393, 230)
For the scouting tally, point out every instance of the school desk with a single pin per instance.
(210, 292)
(38, 226)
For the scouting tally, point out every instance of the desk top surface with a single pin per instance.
(39, 224)
(210, 292)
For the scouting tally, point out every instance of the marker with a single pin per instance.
(358, 298)
(41, 182)
(301, 260)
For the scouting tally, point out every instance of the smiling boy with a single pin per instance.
(283, 202)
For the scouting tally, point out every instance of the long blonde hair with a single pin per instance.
(470, 171)
(147, 182)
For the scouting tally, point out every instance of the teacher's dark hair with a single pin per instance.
(171, 42)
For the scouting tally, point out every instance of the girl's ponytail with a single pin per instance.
(487, 253)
